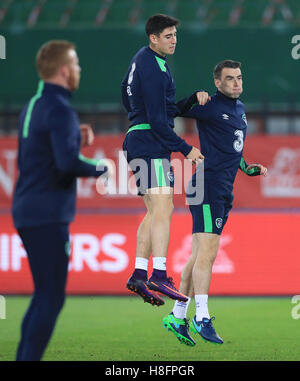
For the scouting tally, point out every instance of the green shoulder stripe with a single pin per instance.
(161, 63)
(30, 108)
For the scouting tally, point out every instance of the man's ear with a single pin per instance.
(153, 38)
(217, 83)
(64, 71)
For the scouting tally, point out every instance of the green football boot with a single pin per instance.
(180, 328)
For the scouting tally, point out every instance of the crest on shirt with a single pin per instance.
(219, 222)
(170, 176)
(225, 116)
(244, 119)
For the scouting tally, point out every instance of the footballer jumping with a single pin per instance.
(222, 126)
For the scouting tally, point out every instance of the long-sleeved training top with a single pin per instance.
(49, 159)
(222, 127)
(149, 96)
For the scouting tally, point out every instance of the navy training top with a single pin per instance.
(222, 127)
(149, 96)
(49, 159)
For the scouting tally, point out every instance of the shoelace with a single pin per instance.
(208, 323)
(187, 322)
(170, 280)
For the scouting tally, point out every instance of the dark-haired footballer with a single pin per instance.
(148, 93)
(222, 126)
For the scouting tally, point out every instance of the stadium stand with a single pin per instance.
(109, 13)
(256, 32)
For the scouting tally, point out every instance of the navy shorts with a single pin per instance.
(151, 173)
(210, 216)
(152, 169)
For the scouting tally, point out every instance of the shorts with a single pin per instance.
(209, 218)
(211, 214)
(151, 173)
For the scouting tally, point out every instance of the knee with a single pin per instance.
(186, 276)
(187, 271)
(50, 304)
(170, 208)
(205, 259)
(207, 249)
(164, 210)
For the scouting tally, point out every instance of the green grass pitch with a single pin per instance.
(111, 328)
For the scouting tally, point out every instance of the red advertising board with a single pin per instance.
(280, 189)
(258, 255)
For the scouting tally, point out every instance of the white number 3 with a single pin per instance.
(238, 144)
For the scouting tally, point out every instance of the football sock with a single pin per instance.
(141, 263)
(159, 267)
(141, 267)
(180, 309)
(139, 274)
(160, 263)
(201, 307)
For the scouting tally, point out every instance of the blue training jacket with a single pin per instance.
(149, 96)
(49, 159)
(222, 127)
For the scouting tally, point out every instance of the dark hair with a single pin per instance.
(226, 63)
(157, 23)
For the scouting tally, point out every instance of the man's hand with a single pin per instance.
(203, 97)
(254, 168)
(111, 167)
(87, 135)
(195, 156)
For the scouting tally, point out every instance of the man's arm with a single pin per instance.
(124, 93)
(66, 145)
(252, 169)
(154, 95)
(194, 106)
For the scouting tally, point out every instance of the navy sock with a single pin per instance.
(159, 274)
(140, 274)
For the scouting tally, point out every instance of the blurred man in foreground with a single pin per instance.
(49, 161)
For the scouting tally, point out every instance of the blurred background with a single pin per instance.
(259, 253)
